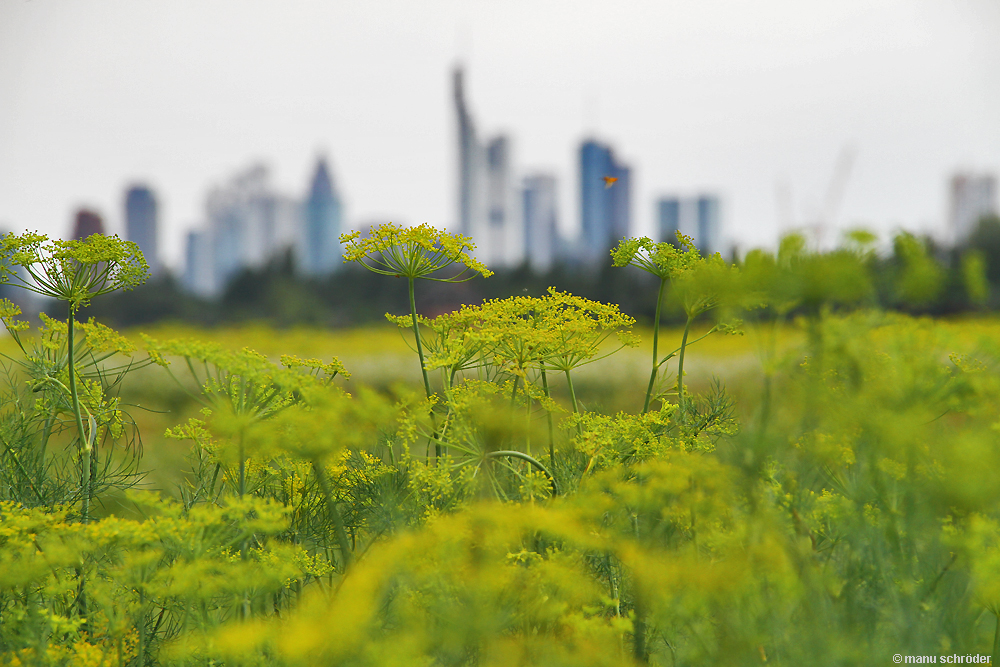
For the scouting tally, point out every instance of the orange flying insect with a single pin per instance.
(609, 181)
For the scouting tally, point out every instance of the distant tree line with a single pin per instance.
(352, 296)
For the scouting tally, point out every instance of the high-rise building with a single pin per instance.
(709, 223)
(86, 223)
(237, 223)
(505, 245)
(489, 201)
(668, 213)
(698, 217)
(472, 205)
(972, 197)
(248, 225)
(199, 272)
(605, 201)
(140, 223)
(540, 221)
(322, 213)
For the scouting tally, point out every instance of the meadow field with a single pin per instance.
(383, 357)
(793, 477)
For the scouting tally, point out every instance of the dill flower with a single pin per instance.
(413, 252)
(72, 271)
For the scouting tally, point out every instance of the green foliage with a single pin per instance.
(974, 278)
(919, 278)
(841, 512)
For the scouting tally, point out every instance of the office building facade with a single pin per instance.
(141, 224)
(540, 221)
(605, 201)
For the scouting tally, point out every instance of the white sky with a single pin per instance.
(741, 97)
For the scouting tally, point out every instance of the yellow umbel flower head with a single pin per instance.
(413, 252)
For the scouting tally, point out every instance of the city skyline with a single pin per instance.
(744, 100)
(249, 222)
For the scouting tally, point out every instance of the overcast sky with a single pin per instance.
(746, 98)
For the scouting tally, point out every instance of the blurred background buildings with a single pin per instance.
(248, 224)
(972, 197)
(511, 213)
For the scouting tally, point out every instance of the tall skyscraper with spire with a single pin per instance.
(489, 199)
(321, 252)
(471, 167)
(140, 223)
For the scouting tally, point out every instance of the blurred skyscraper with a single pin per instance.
(972, 197)
(506, 235)
(668, 213)
(540, 221)
(248, 225)
(199, 273)
(472, 218)
(605, 205)
(140, 224)
(489, 201)
(698, 217)
(321, 252)
(709, 224)
(85, 223)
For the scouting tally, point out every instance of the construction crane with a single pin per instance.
(825, 218)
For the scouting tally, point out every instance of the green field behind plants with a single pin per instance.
(383, 357)
(519, 482)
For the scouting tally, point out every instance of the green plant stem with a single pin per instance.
(243, 469)
(572, 395)
(548, 415)
(656, 340)
(680, 368)
(416, 335)
(527, 427)
(85, 473)
(639, 651)
(572, 392)
(420, 354)
(514, 454)
(331, 506)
